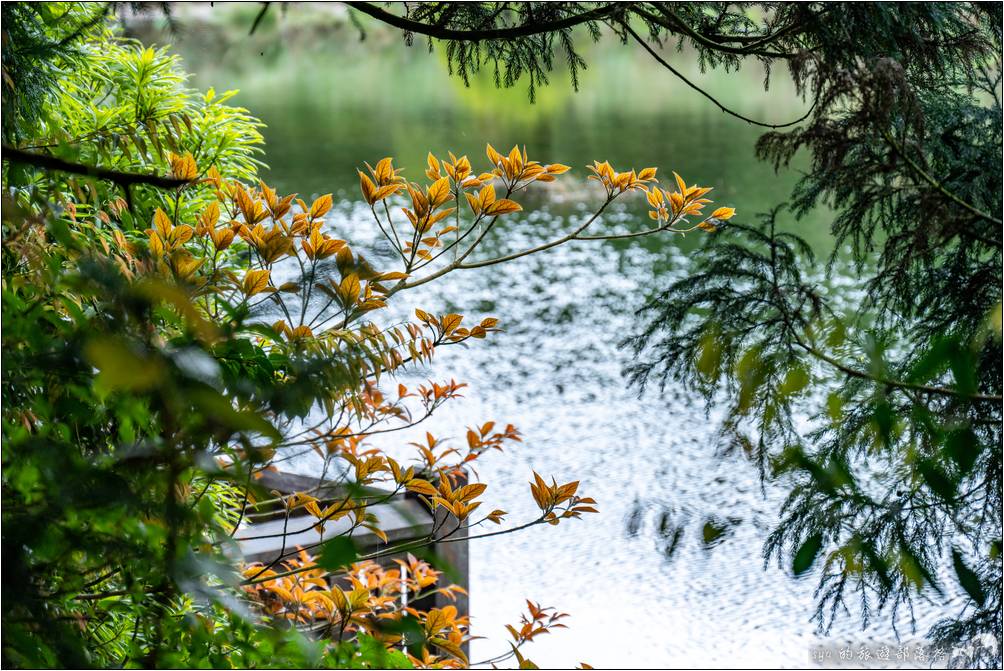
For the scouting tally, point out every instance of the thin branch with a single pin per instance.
(707, 95)
(258, 19)
(676, 23)
(539, 248)
(853, 372)
(410, 545)
(940, 187)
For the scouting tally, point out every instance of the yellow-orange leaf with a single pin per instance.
(183, 167)
(185, 265)
(680, 183)
(384, 171)
(439, 216)
(469, 492)
(368, 188)
(724, 213)
(209, 216)
(255, 282)
(493, 155)
(433, 170)
(503, 206)
(676, 200)
(486, 196)
(450, 647)
(320, 206)
(474, 203)
(451, 322)
(349, 289)
(183, 233)
(393, 275)
(420, 486)
(162, 224)
(439, 192)
(157, 247)
(496, 516)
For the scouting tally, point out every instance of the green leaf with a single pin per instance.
(338, 553)
(963, 447)
(884, 421)
(914, 569)
(807, 554)
(751, 371)
(409, 628)
(221, 409)
(795, 381)
(709, 360)
(968, 578)
(933, 362)
(964, 365)
(372, 654)
(937, 480)
(713, 532)
(834, 407)
(837, 334)
(121, 367)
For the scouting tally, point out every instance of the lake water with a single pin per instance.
(651, 461)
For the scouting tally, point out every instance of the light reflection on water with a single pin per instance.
(556, 371)
(650, 462)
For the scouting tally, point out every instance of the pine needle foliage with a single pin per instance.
(895, 484)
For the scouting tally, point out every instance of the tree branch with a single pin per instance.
(673, 23)
(940, 187)
(861, 375)
(720, 106)
(439, 32)
(124, 179)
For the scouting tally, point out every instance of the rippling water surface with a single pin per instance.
(641, 585)
(638, 594)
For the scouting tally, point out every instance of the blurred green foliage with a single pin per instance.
(148, 383)
(110, 102)
(113, 393)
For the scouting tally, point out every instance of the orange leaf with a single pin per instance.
(439, 192)
(320, 206)
(255, 282)
(420, 486)
(469, 492)
(503, 206)
(451, 322)
(368, 188)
